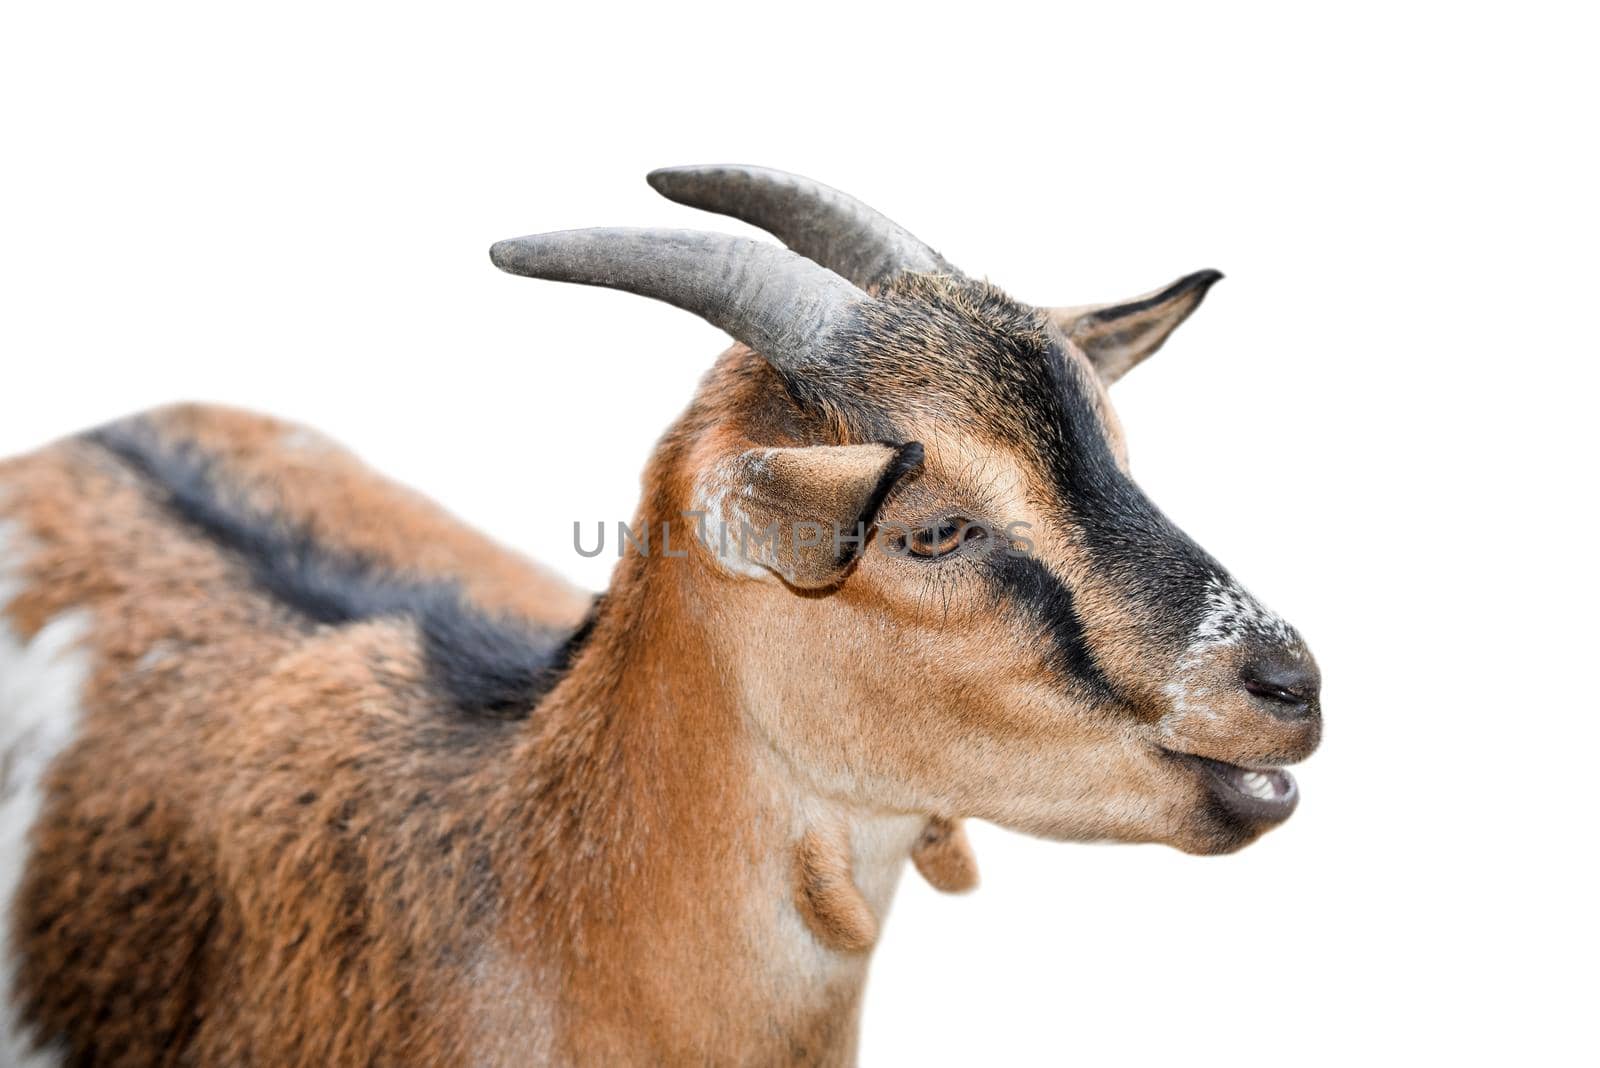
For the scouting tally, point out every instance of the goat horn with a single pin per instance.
(819, 222)
(783, 306)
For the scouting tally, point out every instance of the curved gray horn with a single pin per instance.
(783, 306)
(833, 228)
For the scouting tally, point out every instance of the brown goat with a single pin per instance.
(296, 770)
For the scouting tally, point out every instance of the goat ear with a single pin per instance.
(804, 513)
(1117, 337)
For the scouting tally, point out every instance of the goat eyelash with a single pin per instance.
(943, 584)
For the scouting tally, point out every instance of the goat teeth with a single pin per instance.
(1258, 785)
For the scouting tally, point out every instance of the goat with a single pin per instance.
(296, 770)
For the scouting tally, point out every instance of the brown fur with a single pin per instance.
(826, 893)
(308, 477)
(300, 886)
(275, 843)
(944, 857)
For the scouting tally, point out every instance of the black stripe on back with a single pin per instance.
(485, 664)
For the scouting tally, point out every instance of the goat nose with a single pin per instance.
(1287, 684)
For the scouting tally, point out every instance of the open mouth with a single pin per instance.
(1254, 793)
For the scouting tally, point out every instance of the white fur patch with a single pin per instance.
(1232, 614)
(721, 496)
(304, 439)
(1232, 611)
(512, 1016)
(41, 687)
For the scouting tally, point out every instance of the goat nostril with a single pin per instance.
(1291, 686)
(1275, 693)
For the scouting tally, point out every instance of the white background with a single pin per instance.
(1382, 420)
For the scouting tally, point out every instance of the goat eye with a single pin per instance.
(942, 537)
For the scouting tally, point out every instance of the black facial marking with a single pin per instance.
(1026, 582)
(1130, 539)
(965, 354)
(486, 665)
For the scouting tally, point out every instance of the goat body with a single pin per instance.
(295, 769)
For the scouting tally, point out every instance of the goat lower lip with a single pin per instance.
(1263, 794)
